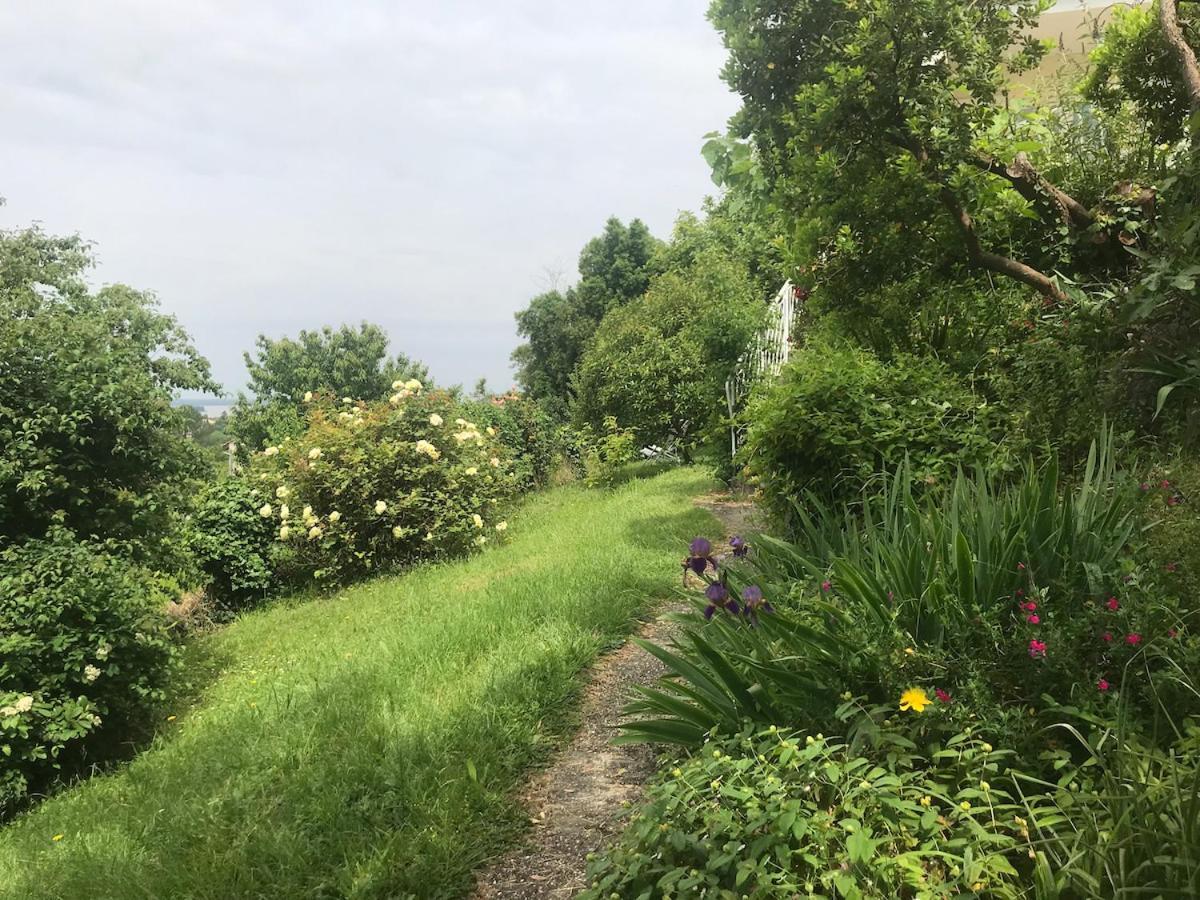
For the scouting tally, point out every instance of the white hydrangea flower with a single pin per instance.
(397, 532)
(334, 516)
(502, 526)
(428, 449)
(265, 510)
(472, 470)
(380, 507)
(284, 512)
(435, 420)
(314, 453)
(8, 710)
(308, 396)
(480, 541)
(285, 533)
(477, 519)
(347, 400)
(397, 384)
(307, 512)
(412, 385)
(103, 650)
(314, 532)
(96, 720)
(394, 399)
(282, 492)
(23, 704)
(270, 451)
(90, 673)
(495, 462)
(460, 422)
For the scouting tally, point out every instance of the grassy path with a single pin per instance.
(367, 745)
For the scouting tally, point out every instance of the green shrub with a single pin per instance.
(604, 453)
(777, 814)
(837, 417)
(374, 486)
(83, 654)
(529, 433)
(232, 543)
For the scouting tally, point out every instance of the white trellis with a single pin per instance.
(765, 356)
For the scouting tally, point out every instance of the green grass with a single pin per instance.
(367, 745)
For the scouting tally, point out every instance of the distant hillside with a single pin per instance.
(1075, 31)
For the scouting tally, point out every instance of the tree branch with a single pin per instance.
(1168, 20)
(1035, 187)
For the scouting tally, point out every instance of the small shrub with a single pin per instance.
(603, 455)
(83, 653)
(529, 433)
(837, 417)
(374, 486)
(232, 543)
(772, 813)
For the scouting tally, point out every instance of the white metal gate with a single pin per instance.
(764, 358)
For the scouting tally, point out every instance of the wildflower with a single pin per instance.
(718, 597)
(57, 837)
(24, 704)
(699, 556)
(1029, 606)
(477, 519)
(965, 806)
(752, 600)
(1020, 567)
(282, 492)
(909, 651)
(1102, 685)
(1171, 567)
(285, 533)
(270, 451)
(96, 720)
(314, 532)
(380, 507)
(347, 400)
(1164, 484)
(283, 511)
(502, 526)
(472, 470)
(847, 696)
(308, 396)
(738, 545)
(1037, 648)
(1106, 637)
(1144, 486)
(1133, 639)
(90, 673)
(170, 718)
(1113, 604)
(103, 650)
(1033, 619)
(915, 699)
(495, 462)
(677, 772)
(435, 420)
(942, 696)
(1171, 632)
(265, 510)
(314, 454)
(397, 532)
(984, 786)
(334, 517)
(826, 586)
(926, 800)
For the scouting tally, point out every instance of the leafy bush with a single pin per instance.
(231, 542)
(605, 453)
(773, 813)
(83, 653)
(992, 598)
(373, 486)
(529, 433)
(837, 417)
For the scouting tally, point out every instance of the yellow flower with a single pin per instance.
(909, 651)
(477, 519)
(915, 699)
(57, 837)
(334, 516)
(678, 773)
(308, 396)
(926, 800)
(170, 718)
(380, 507)
(965, 806)
(491, 431)
(986, 747)
(435, 420)
(984, 786)
(472, 470)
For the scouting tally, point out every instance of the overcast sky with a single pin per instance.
(266, 166)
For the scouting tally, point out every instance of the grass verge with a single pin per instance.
(367, 745)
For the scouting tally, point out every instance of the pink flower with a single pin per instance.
(1133, 639)
(1020, 567)
(1171, 567)
(1171, 632)
(1033, 619)
(826, 586)
(1037, 648)
(1145, 486)
(1113, 604)
(942, 695)
(1106, 637)
(1164, 483)
(1029, 607)
(1102, 685)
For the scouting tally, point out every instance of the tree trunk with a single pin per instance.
(1168, 19)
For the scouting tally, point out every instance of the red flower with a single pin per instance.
(826, 586)
(1020, 567)
(1113, 604)
(1164, 483)
(1037, 648)
(1033, 619)
(1171, 632)
(1133, 639)
(1029, 607)
(942, 695)
(1106, 637)
(1102, 685)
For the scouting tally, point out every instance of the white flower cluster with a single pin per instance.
(23, 705)
(404, 390)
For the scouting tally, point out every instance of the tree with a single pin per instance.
(347, 362)
(614, 268)
(88, 436)
(659, 364)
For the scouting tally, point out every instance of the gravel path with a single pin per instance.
(577, 804)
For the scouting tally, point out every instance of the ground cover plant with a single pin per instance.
(366, 745)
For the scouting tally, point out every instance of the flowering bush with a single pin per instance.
(773, 813)
(524, 427)
(372, 486)
(231, 542)
(83, 653)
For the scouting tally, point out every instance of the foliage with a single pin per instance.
(838, 416)
(673, 348)
(557, 326)
(775, 813)
(528, 432)
(347, 362)
(88, 437)
(370, 744)
(83, 655)
(231, 542)
(605, 452)
(373, 486)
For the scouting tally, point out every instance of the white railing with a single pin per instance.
(765, 356)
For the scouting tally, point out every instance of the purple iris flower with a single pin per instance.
(718, 595)
(752, 599)
(700, 557)
(738, 544)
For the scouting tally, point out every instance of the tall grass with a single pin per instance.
(367, 745)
